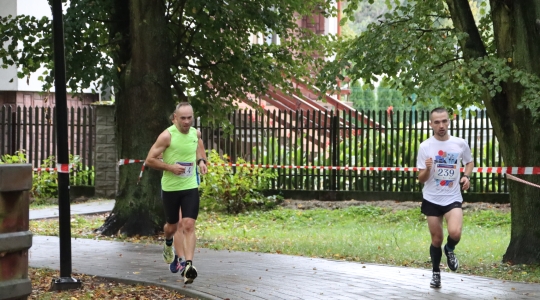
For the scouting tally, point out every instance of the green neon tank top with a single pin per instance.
(182, 150)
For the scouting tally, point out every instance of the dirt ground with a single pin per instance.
(394, 205)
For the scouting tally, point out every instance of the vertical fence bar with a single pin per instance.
(18, 129)
(481, 148)
(388, 145)
(421, 139)
(276, 123)
(2, 129)
(473, 145)
(84, 143)
(232, 139)
(90, 142)
(326, 151)
(53, 122)
(367, 153)
(29, 151)
(357, 134)
(43, 134)
(10, 134)
(73, 131)
(378, 153)
(406, 149)
(24, 135)
(76, 150)
(48, 134)
(321, 133)
(243, 137)
(290, 147)
(333, 151)
(36, 137)
(350, 137)
(301, 160)
(251, 120)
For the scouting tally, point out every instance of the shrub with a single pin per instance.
(235, 189)
(45, 183)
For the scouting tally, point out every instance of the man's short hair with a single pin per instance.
(438, 110)
(182, 104)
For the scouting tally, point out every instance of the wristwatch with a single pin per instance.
(201, 159)
(468, 177)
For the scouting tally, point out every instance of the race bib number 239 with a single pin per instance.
(446, 171)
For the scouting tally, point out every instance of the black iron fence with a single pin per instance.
(360, 139)
(33, 129)
(288, 139)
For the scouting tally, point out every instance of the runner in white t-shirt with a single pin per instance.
(439, 161)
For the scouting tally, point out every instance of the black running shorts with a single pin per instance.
(434, 210)
(186, 200)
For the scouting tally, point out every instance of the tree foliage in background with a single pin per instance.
(156, 53)
(439, 50)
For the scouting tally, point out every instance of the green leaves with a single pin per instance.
(416, 45)
(237, 189)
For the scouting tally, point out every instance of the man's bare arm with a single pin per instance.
(153, 158)
(201, 154)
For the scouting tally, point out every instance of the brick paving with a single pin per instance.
(247, 275)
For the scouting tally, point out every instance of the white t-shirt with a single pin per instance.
(443, 186)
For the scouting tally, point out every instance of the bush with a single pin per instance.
(235, 189)
(45, 183)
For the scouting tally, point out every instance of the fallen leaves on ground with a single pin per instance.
(95, 288)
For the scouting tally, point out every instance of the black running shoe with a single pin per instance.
(435, 280)
(190, 273)
(451, 259)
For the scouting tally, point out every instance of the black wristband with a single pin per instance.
(468, 177)
(201, 159)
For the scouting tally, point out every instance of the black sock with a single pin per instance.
(189, 262)
(451, 244)
(168, 242)
(436, 254)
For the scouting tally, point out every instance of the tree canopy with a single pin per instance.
(417, 47)
(219, 51)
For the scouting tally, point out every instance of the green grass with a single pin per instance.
(359, 233)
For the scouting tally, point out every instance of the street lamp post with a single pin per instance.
(65, 282)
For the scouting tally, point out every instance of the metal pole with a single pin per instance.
(65, 282)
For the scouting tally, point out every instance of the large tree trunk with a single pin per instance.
(517, 36)
(516, 39)
(143, 104)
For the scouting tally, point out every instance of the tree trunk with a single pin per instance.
(516, 39)
(143, 104)
(517, 36)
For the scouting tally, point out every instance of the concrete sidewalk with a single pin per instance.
(93, 207)
(246, 275)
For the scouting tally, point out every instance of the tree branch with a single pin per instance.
(448, 61)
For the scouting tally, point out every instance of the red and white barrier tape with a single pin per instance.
(495, 170)
(521, 180)
(129, 161)
(60, 168)
(140, 174)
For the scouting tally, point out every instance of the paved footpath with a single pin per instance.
(247, 275)
(75, 209)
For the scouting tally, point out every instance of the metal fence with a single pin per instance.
(291, 138)
(360, 139)
(33, 129)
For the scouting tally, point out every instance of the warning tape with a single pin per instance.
(129, 161)
(521, 180)
(140, 175)
(494, 170)
(60, 168)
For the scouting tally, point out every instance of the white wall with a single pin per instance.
(38, 9)
(8, 7)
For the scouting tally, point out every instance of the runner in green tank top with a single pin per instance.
(183, 151)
